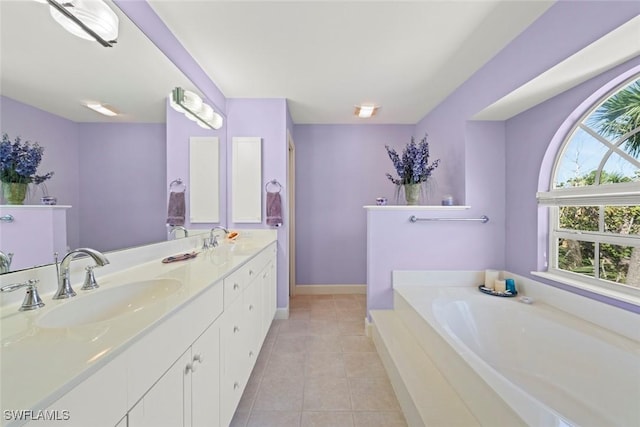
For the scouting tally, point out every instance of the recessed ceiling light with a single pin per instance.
(366, 110)
(107, 110)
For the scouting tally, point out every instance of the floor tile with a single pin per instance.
(351, 327)
(324, 365)
(279, 394)
(317, 368)
(274, 419)
(363, 364)
(354, 343)
(323, 327)
(322, 314)
(289, 344)
(294, 327)
(326, 394)
(373, 394)
(358, 314)
(285, 365)
(379, 419)
(327, 419)
(323, 344)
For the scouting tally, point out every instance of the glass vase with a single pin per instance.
(14, 192)
(412, 193)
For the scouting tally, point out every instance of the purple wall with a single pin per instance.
(122, 192)
(267, 119)
(60, 139)
(339, 169)
(394, 243)
(502, 181)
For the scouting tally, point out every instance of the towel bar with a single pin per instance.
(484, 219)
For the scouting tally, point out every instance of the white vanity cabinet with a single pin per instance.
(191, 368)
(243, 326)
(188, 394)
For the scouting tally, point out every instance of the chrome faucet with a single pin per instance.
(5, 262)
(178, 227)
(213, 239)
(64, 282)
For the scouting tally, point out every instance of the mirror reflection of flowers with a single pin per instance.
(413, 167)
(19, 161)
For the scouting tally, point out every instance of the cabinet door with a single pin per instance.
(163, 404)
(232, 369)
(252, 299)
(205, 379)
(267, 297)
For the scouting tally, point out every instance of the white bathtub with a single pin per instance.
(551, 368)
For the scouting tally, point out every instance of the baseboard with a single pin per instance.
(282, 313)
(330, 289)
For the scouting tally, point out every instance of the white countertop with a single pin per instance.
(60, 358)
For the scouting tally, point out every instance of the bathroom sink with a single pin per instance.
(109, 303)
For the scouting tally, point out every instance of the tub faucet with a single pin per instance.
(64, 282)
(5, 262)
(213, 239)
(176, 228)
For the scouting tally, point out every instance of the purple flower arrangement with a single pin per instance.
(19, 161)
(413, 166)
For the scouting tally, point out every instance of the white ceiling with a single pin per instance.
(323, 56)
(327, 56)
(45, 66)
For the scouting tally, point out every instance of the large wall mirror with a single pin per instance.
(111, 170)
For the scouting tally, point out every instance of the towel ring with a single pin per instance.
(176, 183)
(273, 182)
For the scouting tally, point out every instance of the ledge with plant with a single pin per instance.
(413, 168)
(19, 161)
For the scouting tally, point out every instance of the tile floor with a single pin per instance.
(317, 368)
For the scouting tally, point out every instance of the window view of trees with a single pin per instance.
(602, 241)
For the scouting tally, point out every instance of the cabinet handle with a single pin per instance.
(250, 353)
(236, 385)
(250, 307)
(236, 329)
(198, 358)
(250, 272)
(264, 276)
(236, 286)
(190, 368)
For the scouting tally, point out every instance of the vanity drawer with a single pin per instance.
(233, 286)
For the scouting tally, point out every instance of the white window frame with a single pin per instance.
(601, 195)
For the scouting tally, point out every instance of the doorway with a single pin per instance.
(291, 185)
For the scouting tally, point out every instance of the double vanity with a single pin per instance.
(155, 344)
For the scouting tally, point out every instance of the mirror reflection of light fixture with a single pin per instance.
(101, 108)
(364, 111)
(87, 19)
(195, 109)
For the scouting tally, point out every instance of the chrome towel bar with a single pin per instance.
(6, 218)
(484, 219)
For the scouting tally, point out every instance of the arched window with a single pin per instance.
(594, 199)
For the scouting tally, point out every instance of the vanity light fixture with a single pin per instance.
(365, 111)
(87, 19)
(106, 110)
(195, 109)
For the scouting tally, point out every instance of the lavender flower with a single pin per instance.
(19, 161)
(413, 166)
